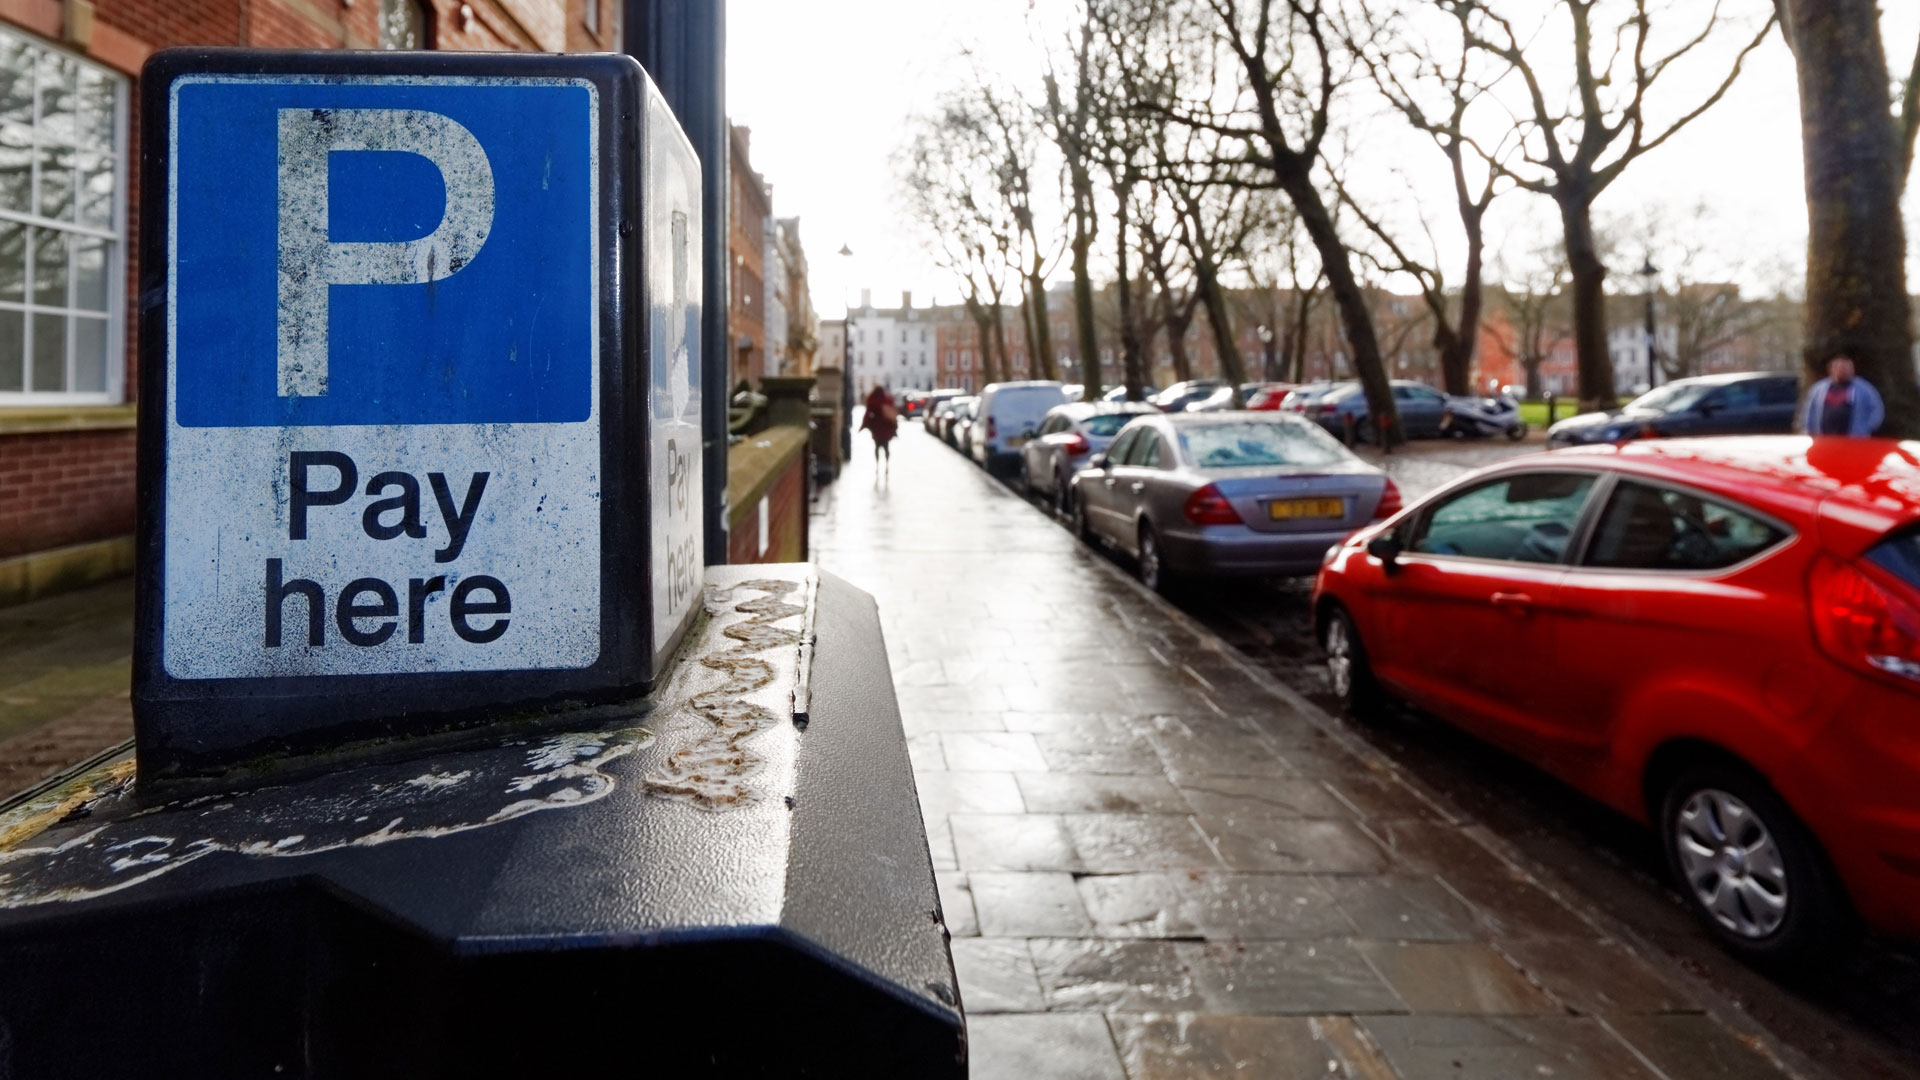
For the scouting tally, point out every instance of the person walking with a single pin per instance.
(882, 421)
(1843, 403)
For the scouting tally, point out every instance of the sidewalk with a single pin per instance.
(65, 665)
(1156, 863)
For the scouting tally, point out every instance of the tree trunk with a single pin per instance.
(1084, 224)
(1177, 322)
(1131, 358)
(1589, 304)
(1456, 350)
(1000, 340)
(1856, 273)
(983, 323)
(1206, 280)
(1350, 299)
(1040, 329)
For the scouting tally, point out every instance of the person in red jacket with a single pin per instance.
(882, 421)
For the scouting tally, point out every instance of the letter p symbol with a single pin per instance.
(310, 264)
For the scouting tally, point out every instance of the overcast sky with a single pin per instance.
(827, 87)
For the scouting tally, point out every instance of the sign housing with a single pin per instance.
(420, 436)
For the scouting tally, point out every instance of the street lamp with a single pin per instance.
(1650, 281)
(1266, 342)
(846, 365)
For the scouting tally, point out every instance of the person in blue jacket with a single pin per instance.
(1843, 403)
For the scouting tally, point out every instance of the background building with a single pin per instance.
(751, 211)
(69, 215)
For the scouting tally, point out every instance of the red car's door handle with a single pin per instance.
(1517, 604)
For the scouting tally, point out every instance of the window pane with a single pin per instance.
(1526, 518)
(13, 260)
(402, 25)
(95, 182)
(56, 182)
(49, 353)
(16, 79)
(13, 341)
(49, 267)
(57, 97)
(16, 169)
(89, 273)
(1649, 528)
(89, 355)
(95, 128)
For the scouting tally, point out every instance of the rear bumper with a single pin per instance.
(1861, 794)
(1238, 551)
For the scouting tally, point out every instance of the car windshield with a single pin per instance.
(1107, 425)
(1671, 398)
(1225, 446)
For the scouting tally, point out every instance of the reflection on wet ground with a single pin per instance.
(1159, 860)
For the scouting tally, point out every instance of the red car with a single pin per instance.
(1719, 637)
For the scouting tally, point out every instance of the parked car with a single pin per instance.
(1344, 408)
(1301, 397)
(1748, 403)
(958, 419)
(912, 403)
(933, 401)
(1203, 494)
(1177, 397)
(1222, 399)
(1074, 391)
(939, 415)
(1269, 397)
(1119, 393)
(1719, 637)
(1068, 438)
(1007, 416)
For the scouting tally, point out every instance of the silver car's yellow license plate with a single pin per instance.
(1306, 509)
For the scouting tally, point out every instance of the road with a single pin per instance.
(1863, 1021)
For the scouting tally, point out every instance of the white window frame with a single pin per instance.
(116, 237)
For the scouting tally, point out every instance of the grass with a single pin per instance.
(1535, 412)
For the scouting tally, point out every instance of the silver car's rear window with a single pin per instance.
(1107, 425)
(1256, 442)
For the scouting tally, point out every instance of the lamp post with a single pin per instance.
(846, 365)
(1266, 344)
(1650, 280)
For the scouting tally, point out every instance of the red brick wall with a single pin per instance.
(786, 521)
(64, 488)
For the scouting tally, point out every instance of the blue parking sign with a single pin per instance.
(420, 435)
(385, 252)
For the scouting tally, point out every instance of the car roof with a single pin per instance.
(1732, 377)
(1023, 384)
(1873, 485)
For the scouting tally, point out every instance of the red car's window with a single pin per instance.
(1655, 528)
(1525, 518)
(1900, 555)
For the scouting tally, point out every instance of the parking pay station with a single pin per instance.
(452, 759)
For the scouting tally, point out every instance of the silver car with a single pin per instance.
(1227, 493)
(1068, 437)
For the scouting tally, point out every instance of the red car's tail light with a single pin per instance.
(1075, 444)
(993, 429)
(1208, 507)
(1390, 502)
(1861, 623)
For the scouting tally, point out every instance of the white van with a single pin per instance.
(1009, 413)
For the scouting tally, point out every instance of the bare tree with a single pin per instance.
(1071, 120)
(1575, 148)
(1534, 297)
(1435, 92)
(1287, 71)
(1856, 169)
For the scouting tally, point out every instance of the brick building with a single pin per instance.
(69, 218)
(750, 210)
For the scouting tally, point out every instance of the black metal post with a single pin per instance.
(683, 46)
(1649, 276)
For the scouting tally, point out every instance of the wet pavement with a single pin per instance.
(65, 668)
(1157, 860)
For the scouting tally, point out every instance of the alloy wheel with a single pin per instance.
(1340, 657)
(1732, 862)
(1150, 569)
